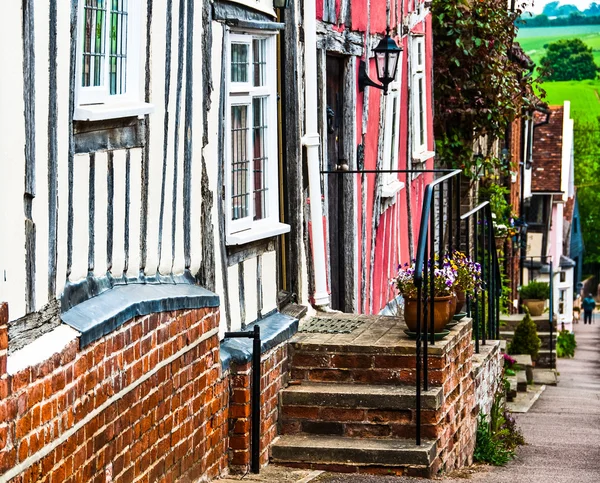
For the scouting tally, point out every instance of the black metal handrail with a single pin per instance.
(255, 395)
(425, 269)
(546, 260)
(483, 251)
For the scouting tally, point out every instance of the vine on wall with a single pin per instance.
(481, 81)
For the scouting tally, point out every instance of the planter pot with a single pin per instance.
(442, 313)
(461, 300)
(536, 307)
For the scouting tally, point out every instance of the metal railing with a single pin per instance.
(483, 307)
(546, 262)
(441, 205)
(443, 229)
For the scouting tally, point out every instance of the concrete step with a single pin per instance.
(355, 455)
(511, 391)
(544, 361)
(357, 410)
(521, 381)
(546, 377)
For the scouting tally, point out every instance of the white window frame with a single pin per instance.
(418, 66)
(245, 230)
(94, 103)
(391, 140)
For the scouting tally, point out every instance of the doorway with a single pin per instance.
(337, 185)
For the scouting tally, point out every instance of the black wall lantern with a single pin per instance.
(387, 54)
(280, 3)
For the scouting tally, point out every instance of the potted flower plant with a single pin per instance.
(468, 277)
(534, 295)
(443, 282)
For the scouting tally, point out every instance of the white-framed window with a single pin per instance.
(391, 140)
(251, 188)
(109, 49)
(418, 80)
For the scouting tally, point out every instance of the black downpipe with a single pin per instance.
(255, 397)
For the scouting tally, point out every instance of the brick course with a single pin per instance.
(146, 402)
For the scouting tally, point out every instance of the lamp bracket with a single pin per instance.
(364, 80)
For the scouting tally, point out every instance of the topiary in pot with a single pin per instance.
(526, 340)
(534, 296)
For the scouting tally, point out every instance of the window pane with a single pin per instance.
(239, 63)
(239, 162)
(94, 12)
(421, 94)
(259, 50)
(118, 46)
(259, 140)
(419, 53)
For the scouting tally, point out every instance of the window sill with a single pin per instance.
(423, 156)
(390, 190)
(260, 230)
(100, 112)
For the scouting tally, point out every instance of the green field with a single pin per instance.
(532, 40)
(584, 95)
(585, 104)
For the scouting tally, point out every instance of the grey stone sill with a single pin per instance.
(274, 330)
(101, 315)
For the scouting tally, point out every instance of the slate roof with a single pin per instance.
(547, 153)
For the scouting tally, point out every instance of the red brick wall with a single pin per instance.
(146, 402)
(274, 373)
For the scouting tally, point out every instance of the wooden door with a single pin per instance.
(335, 182)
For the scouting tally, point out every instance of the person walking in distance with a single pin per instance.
(589, 304)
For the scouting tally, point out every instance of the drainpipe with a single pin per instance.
(312, 140)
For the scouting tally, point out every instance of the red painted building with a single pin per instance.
(371, 217)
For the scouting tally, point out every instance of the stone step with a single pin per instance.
(355, 454)
(508, 335)
(510, 322)
(359, 396)
(358, 411)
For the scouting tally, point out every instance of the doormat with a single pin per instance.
(321, 325)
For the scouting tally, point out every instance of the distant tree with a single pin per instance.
(568, 59)
(593, 9)
(550, 9)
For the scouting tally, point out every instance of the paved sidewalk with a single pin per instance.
(562, 428)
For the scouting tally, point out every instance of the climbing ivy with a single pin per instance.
(479, 88)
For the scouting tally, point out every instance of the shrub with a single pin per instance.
(526, 340)
(535, 290)
(565, 344)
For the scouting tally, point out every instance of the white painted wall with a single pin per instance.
(12, 160)
(12, 165)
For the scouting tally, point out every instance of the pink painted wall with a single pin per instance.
(390, 243)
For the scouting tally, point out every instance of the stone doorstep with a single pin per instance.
(357, 396)
(341, 450)
(511, 323)
(378, 335)
(508, 335)
(546, 377)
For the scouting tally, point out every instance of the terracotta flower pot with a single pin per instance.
(536, 307)
(442, 313)
(461, 300)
